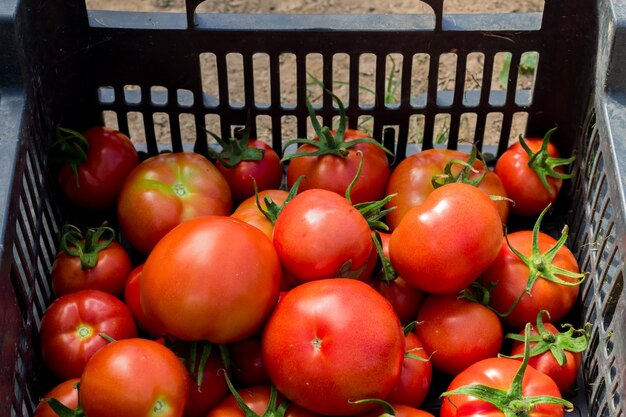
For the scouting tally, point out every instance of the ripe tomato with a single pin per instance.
(445, 243)
(132, 300)
(457, 332)
(405, 299)
(89, 262)
(258, 399)
(548, 279)
(134, 378)
(71, 327)
(412, 181)
(415, 377)
(319, 234)
(243, 160)
(331, 341)
(66, 392)
(247, 363)
(164, 191)
(211, 278)
(97, 162)
(499, 373)
(249, 212)
(398, 410)
(556, 354)
(532, 173)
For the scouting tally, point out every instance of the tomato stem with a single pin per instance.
(464, 175)
(234, 150)
(72, 149)
(87, 248)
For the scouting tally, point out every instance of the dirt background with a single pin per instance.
(446, 74)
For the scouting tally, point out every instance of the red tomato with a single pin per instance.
(71, 327)
(499, 373)
(66, 392)
(334, 173)
(164, 191)
(132, 300)
(548, 347)
(405, 299)
(212, 278)
(331, 341)
(412, 180)
(522, 178)
(249, 212)
(247, 363)
(416, 376)
(257, 398)
(319, 234)
(457, 332)
(239, 165)
(92, 179)
(211, 391)
(445, 243)
(509, 275)
(89, 263)
(134, 378)
(399, 410)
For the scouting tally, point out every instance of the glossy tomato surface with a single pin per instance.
(445, 243)
(134, 378)
(331, 341)
(211, 278)
(164, 191)
(133, 301)
(66, 392)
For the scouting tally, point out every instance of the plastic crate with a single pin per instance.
(62, 63)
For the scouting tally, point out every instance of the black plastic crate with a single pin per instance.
(61, 63)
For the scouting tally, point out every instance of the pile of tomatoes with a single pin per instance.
(347, 293)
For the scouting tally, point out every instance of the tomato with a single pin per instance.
(547, 279)
(134, 378)
(90, 262)
(98, 161)
(331, 341)
(398, 410)
(247, 362)
(243, 160)
(164, 191)
(331, 160)
(249, 212)
(532, 173)
(445, 243)
(258, 399)
(66, 392)
(132, 300)
(405, 299)
(319, 234)
(457, 332)
(556, 354)
(211, 278)
(207, 392)
(415, 377)
(412, 181)
(499, 373)
(71, 327)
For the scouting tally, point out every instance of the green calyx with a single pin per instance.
(388, 271)
(571, 340)
(540, 264)
(273, 408)
(512, 402)
(70, 147)
(543, 164)
(88, 247)
(465, 173)
(62, 410)
(234, 150)
(328, 143)
(273, 210)
(388, 410)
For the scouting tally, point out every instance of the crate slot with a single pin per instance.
(209, 71)
(447, 78)
(262, 84)
(132, 95)
(185, 98)
(159, 96)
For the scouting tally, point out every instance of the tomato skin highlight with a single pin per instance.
(134, 378)
(319, 235)
(332, 340)
(211, 278)
(71, 327)
(445, 243)
(164, 191)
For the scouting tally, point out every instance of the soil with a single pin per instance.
(445, 77)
